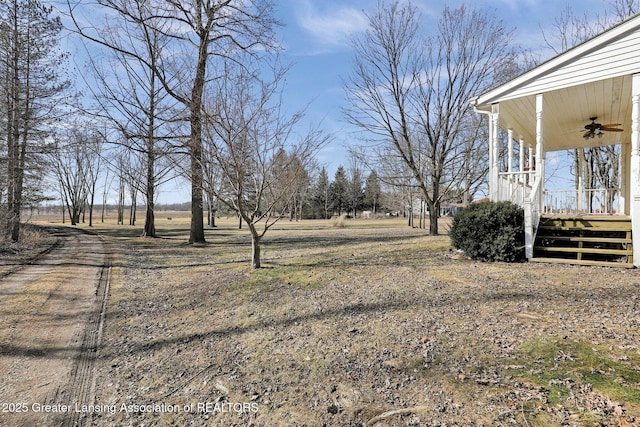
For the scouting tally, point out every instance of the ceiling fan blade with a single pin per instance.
(611, 124)
(611, 129)
(586, 134)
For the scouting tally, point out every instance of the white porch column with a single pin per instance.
(521, 159)
(624, 199)
(531, 165)
(540, 154)
(580, 174)
(634, 181)
(510, 165)
(493, 153)
(510, 149)
(533, 207)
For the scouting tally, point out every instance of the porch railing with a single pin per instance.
(532, 213)
(515, 186)
(584, 201)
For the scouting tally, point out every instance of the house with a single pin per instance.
(587, 96)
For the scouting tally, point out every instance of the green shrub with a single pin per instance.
(489, 231)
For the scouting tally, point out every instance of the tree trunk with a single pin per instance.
(13, 133)
(255, 248)
(121, 203)
(91, 203)
(434, 214)
(197, 217)
(212, 215)
(91, 211)
(208, 210)
(149, 220)
(132, 212)
(74, 215)
(104, 202)
(195, 110)
(16, 208)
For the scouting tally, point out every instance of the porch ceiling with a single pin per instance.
(567, 110)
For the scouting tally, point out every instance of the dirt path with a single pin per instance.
(50, 323)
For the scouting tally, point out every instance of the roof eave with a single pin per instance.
(484, 101)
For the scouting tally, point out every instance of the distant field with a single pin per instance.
(373, 323)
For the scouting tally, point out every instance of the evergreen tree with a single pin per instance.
(320, 198)
(338, 191)
(30, 88)
(355, 194)
(372, 192)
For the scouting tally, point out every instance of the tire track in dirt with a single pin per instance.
(51, 316)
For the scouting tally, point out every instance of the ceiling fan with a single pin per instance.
(596, 129)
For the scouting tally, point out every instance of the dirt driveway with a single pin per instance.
(50, 324)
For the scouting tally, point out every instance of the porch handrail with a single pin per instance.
(516, 174)
(532, 212)
(514, 186)
(585, 200)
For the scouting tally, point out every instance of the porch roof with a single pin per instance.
(592, 79)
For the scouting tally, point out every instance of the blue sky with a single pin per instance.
(316, 37)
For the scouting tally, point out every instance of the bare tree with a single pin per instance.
(570, 29)
(93, 167)
(410, 92)
(108, 182)
(135, 104)
(212, 184)
(199, 31)
(69, 161)
(289, 173)
(253, 143)
(623, 9)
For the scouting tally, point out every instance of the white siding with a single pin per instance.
(619, 57)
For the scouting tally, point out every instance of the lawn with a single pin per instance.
(373, 323)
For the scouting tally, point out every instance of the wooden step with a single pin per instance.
(622, 226)
(590, 217)
(591, 222)
(582, 262)
(620, 252)
(570, 239)
(614, 240)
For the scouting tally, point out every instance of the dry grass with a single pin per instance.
(345, 324)
(338, 221)
(33, 241)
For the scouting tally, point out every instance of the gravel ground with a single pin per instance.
(361, 326)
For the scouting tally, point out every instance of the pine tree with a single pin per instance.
(338, 191)
(355, 194)
(372, 192)
(30, 87)
(321, 201)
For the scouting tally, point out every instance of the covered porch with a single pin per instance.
(586, 97)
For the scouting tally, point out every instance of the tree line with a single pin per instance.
(195, 89)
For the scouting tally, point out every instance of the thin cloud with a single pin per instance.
(331, 27)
